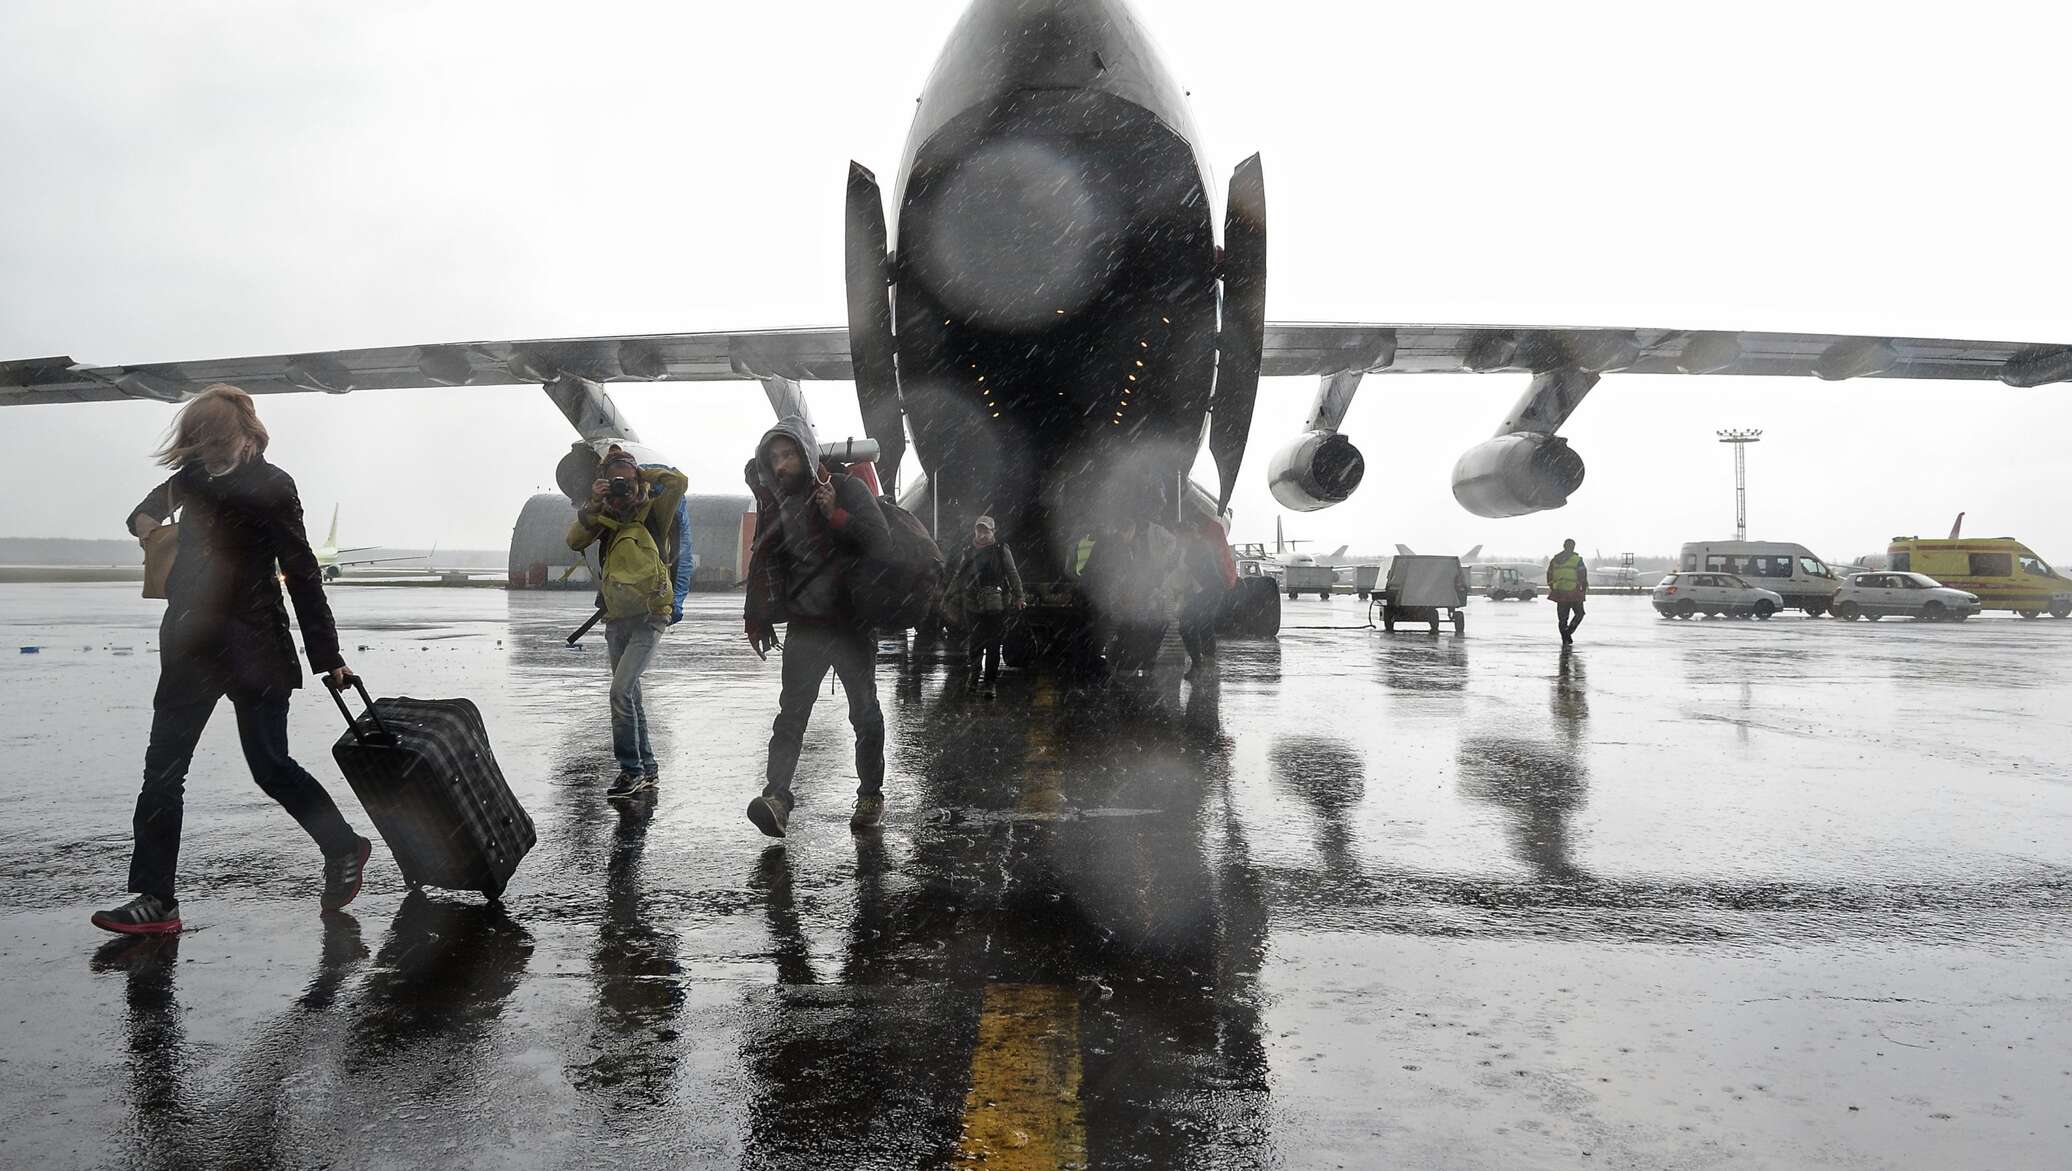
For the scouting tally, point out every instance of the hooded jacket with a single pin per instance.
(225, 629)
(799, 568)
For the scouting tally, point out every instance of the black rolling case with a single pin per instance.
(425, 772)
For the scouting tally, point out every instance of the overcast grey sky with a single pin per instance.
(200, 180)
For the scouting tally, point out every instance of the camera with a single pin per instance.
(619, 488)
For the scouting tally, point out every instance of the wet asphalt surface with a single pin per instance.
(1724, 893)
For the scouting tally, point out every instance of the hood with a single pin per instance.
(799, 431)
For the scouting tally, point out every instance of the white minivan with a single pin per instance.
(1791, 571)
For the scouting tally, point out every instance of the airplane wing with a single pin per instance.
(1291, 349)
(820, 354)
(373, 561)
(1294, 349)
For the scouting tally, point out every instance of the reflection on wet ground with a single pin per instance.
(1771, 894)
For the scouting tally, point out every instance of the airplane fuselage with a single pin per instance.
(1055, 287)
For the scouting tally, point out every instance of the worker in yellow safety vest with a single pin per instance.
(1568, 583)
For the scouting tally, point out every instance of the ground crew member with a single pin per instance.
(1568, 582)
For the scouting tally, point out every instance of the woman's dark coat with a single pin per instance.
(226, 628)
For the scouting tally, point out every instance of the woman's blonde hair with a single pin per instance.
(219, 427)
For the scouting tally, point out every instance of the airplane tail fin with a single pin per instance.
(1471, 554)
(1337, 553)
(331, 542)
(1404, 551)
(1958, 527)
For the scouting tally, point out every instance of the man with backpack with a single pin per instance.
(634, 512)
(814, 531)
(989, 585)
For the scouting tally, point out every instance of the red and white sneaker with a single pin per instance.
(143, 915)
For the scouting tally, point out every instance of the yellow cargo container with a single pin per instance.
(2000, 570)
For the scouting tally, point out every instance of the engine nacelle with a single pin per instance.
(1513, 475)
(1319, 469)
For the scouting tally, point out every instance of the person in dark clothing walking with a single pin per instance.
(811, 527)
(990, 586)
(225, 633)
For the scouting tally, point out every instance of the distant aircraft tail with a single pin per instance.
(1471, 554)
(1958, 527)
(331, 542)
(1404, 551)
(1337, 553)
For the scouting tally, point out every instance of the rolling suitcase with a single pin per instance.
(425, 772)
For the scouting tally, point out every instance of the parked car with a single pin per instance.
(1906, 595)
(1686, 595)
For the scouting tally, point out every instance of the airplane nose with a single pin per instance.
(1017, 235)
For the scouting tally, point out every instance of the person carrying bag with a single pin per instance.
(988, 585)
(225, 634)
(634, 512)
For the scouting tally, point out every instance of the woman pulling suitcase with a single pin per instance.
(225, 633)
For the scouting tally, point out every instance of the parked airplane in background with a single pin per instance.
(1616, 575)
(1254, 560)
(330, 556)
(1060, 326)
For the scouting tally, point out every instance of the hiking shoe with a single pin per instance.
(625, 785)
(342, 874)
(143, 915)
(870, 813)
(651, 775)
(769, 815)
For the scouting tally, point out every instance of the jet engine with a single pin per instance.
(1513, 475)
(1317, 470)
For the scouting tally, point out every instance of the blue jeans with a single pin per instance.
(631, 643)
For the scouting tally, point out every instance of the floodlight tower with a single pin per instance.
(1740, 438)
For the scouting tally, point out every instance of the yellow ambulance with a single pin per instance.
(2000, 570)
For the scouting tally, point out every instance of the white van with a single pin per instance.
(1791, 571)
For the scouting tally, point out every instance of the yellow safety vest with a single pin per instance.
(1562, 572)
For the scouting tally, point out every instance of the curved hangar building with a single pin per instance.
(541, 558)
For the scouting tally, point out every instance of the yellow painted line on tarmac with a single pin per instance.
(1043, 761)
(1022, 1111)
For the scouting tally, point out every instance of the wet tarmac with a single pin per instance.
(1727, 893)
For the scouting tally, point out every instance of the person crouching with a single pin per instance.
(632, 511)
(810, 530)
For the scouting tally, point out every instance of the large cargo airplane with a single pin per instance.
(1053, 314)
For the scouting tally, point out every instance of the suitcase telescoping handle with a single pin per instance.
(352, 725)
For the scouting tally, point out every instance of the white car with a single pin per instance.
(1908, 595)
(1686, 595)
